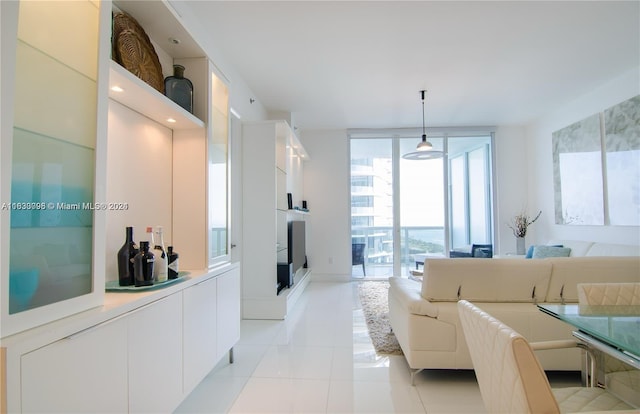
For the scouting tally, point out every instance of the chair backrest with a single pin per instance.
(357, 253)
(510, 377)
(609, 293)
(482, 250)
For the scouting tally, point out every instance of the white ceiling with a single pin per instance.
(361, 64)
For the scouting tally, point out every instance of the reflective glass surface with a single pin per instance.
(618, 326)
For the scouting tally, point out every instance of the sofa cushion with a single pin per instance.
(485, 280)
(567, 272)
(578, 247)
(542, 252)
(606, 249)
(407, 292)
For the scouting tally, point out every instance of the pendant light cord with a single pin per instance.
(424, 135)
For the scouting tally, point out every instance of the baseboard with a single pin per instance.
(325, 277)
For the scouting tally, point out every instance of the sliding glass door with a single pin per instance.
(403, 211)
(421, 186)
(372, 207)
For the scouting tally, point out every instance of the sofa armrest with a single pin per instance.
(407, 292)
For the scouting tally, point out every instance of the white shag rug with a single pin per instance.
(373, 297)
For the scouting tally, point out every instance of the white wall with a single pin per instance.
(538, 139)
(510, 191)
(327, 191)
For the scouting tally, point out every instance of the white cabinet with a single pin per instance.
(155, 356)
(272, 160)
(200, 331)
(228, 311)
(146, 359)
(83, 373)
(211, 324)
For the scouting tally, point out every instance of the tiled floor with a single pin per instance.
(320, 360)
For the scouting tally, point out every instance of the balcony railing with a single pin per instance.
(414, 240)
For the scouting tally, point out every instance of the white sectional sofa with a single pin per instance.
(594, 249)
(424, 315)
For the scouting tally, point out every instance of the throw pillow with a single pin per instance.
(541, 252)
(529, 254)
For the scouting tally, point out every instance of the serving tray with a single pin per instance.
(114, 285)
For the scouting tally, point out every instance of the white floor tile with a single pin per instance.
(301, 362)
(246, 359)
(259, 331)
(373, 397)
(282, 395)
(213, 395)
(449, 391)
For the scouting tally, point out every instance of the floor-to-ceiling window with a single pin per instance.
(372, 206)
(403, 211)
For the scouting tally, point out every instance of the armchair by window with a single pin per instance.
(477, 250)
(357, 255)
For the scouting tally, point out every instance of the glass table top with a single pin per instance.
(618, 326)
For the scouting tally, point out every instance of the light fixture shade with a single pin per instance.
(424, 145)
(424, 150)
(423, 155)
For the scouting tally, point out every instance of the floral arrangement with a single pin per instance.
(521, 222)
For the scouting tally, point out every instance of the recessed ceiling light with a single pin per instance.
(116, 88)
(171, 120)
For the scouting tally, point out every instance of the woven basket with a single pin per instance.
(133, 50)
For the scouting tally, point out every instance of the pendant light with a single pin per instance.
(424, 150)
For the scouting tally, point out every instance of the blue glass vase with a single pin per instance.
(179, 89)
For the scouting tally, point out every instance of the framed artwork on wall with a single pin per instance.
(577, 173)
(596, 168)
(622, 149)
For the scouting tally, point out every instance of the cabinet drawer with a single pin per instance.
(86, 372)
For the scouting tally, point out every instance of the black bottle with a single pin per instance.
(179, 89)
(143, 265)
(125, 260)
(173, 263)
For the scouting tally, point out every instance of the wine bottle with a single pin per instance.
(173, 263)
(179, 89)
(125, 259)
(161, 271)
(143, 265)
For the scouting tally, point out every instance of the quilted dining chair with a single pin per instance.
(510, 377)
(619, 378)
(608, 293)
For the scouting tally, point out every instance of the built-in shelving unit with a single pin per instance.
(272, 168)
(141, 351)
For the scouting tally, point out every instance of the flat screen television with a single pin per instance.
(296, 245)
